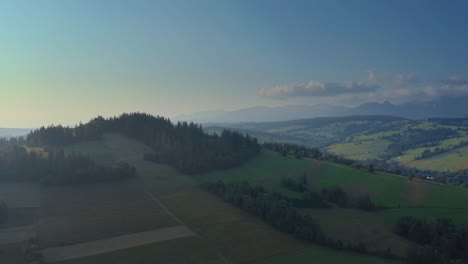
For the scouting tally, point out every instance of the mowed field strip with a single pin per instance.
(56, 254)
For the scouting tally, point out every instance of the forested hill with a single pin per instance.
(183, 145)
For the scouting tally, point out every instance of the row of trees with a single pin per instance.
(293, 149)
(278, 211)
(440, 241)
(271, 207)
(58, 167)
(183, 145)
(300, 151)
(427, 153)
(321, 199)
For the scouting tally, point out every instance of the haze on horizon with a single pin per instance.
(67, 61)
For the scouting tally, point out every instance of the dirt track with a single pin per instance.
(56, 254)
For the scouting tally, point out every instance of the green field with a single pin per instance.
(361, 150)
(385, 189)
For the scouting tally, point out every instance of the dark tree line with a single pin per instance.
(440, 241)
(300, 151)
(183, 145)
(312, 198)
(291, 183)
(293, 149)
(58, 168)
(280, 212)
(271, 207)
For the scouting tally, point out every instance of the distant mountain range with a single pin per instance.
(450, 107)
(13, 132)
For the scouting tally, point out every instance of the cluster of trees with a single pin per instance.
(339, 197)
(58, 168)
(271, 207)
(439, 241)
(310, 198)
(6, 143)
(293, 149)
(183, 145)
(3, 212)
(364, 202)
(295, 185)
(335, 195)
(300, 151)
(280, 212)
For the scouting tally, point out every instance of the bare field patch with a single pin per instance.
(90, 212)
(102, 246)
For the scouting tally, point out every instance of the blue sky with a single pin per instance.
(66, 61)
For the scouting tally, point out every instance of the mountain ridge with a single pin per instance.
(443, 107)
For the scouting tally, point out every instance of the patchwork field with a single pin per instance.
(224, 234)
(71, 218)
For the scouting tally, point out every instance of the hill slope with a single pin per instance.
(408, 142)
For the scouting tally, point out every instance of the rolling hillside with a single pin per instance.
(159, 198)
(408, 142)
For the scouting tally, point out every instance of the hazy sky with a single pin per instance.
(66, 61)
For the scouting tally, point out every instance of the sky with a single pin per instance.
(66, 61)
